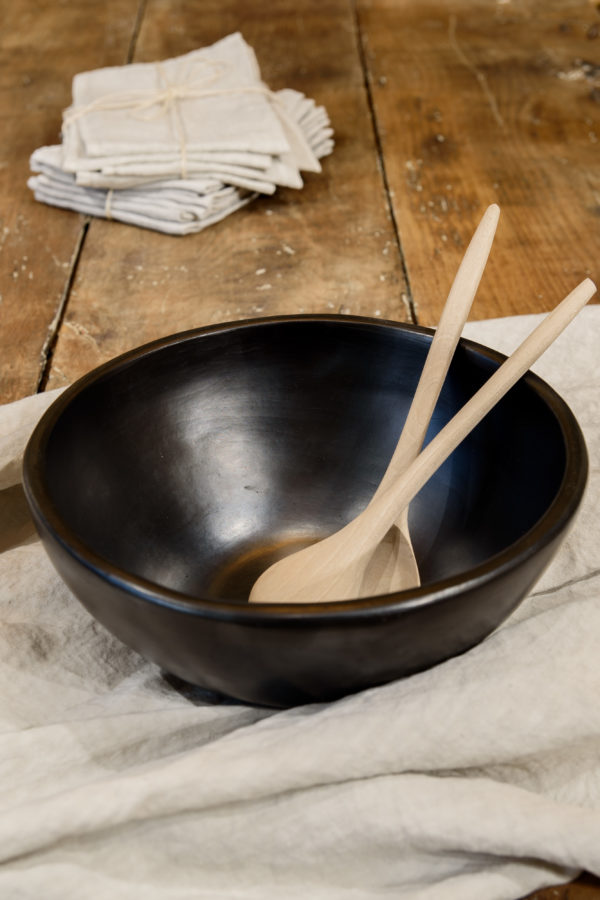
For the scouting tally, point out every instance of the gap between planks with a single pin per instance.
(47, 353)
(406, 296)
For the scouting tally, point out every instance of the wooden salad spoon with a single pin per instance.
(393, 566)
(333, 569)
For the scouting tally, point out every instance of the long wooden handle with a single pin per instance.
(385, 508)
(452, 321)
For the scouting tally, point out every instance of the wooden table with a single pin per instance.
(439, 109)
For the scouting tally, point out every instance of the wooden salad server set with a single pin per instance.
(373, 554)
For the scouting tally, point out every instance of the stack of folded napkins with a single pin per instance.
(178, 145)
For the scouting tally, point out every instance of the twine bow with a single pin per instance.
(165, 100)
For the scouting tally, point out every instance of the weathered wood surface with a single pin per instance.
(328, 247)
(43, 43)
(468, 102)
(584, 888)
(479, 102)
(439, 108)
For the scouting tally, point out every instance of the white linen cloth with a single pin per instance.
(479, 778)
(223, 105)
(180, 207)
(202, 124)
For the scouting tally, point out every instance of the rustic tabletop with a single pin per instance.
(440, 107)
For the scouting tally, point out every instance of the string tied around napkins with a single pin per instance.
(166, 100)
(141, 100)
(108, 204)
(141, 145)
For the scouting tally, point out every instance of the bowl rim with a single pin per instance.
(542, 532)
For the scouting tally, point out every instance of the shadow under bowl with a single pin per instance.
(165, 481)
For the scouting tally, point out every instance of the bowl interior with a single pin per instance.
(198, 462)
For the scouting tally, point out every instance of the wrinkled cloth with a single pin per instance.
(225, 107)
(479, 778)
(175, 205)
(179, 144)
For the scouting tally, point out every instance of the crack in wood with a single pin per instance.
(137, 25)
(406, 296)
(54, 328)
(47, 351)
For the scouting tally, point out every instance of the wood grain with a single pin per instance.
(38, 247)
(329, 247)
(480, 102)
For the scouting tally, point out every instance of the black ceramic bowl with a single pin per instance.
(165, 481)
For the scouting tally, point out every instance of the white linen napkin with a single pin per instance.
(175, 205)
(164, 116)
(226, 119)
(202, 119)
(479, 778)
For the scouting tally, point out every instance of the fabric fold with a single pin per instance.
(205, 121)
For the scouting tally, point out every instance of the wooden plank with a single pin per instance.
(42, 44)
(478, 102)
(587, 887)
(329, 247)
